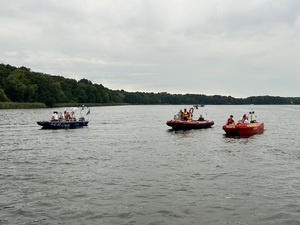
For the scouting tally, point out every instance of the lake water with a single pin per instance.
(127, 167)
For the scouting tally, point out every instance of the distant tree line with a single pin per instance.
(23, 85)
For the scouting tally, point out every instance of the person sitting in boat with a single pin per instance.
(61, 116)
(190, 118)
(245, 119)
(179, 115)
(73, 116)
(67, 115)
(54, 116)
(230, 120)
(186, 115)
(201, 118)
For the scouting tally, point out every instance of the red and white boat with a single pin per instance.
(244, 128)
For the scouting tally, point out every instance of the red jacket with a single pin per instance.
(230, 121)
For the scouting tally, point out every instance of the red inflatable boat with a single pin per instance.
(184, 120)
(187, 125)
(245, 127)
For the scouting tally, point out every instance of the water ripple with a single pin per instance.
(136, 171)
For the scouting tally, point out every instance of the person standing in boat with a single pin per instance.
(186, 115)
(230, 120)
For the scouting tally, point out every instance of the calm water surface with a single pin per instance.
(127, 167)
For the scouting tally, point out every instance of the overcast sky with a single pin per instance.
(225, 47)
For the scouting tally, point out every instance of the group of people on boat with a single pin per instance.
(66, 116)
(244, 119)
(187, 115)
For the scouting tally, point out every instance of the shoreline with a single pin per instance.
(39, 105)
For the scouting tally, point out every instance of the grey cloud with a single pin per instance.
(176, 46)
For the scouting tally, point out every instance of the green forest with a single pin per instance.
(21, 85)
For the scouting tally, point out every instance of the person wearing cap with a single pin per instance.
(230, 120)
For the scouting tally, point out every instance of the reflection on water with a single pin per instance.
(128, 167)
